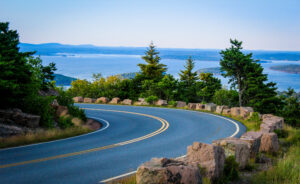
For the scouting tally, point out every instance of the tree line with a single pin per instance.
(22, 77)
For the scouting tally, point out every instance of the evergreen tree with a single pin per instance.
(15, 71)
(235, 65)
(188, 79)
(208, 85)
(153, 70)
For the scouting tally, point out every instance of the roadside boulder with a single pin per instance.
(61, 111)
(269, 143)
(226, 111)
(161, 102)
(271, 123)
(245, 112)
(235, 111)
(89, 100)
(200, 106)
(235, 147)
(78, 99)
(103, 100)
(192, 106)
(209, 157)
(115, 100)
(77, 121)
(211, 107)
(181, 104)
(126, 102)
(219, 109)
(253, 139)
(16, 116)
(9, 130)
(167, 171)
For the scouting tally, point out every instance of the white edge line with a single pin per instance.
(133, 172)
(101, 129)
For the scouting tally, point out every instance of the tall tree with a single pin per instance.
(188, 79)
(235, 65)
(153, 70)
(15, 71)
(208, 85)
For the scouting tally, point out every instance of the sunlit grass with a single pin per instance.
(43, 136)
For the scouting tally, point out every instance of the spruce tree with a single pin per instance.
(153, 70)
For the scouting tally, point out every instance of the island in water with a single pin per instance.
(62, 80)
(291, 68)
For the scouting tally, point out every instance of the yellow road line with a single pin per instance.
(164, 127)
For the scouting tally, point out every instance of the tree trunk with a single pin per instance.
(240, 91)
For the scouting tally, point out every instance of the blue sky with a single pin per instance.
(261, 24)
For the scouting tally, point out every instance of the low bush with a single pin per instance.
(65, 122)
(39, 105)
(151, 99)
(231, 170)
(172, 103)
(76, 112)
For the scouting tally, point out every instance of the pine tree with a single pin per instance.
(153, 70)
(188, 79)
(235, 65)
(187, 75)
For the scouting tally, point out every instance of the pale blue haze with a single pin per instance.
(261, 24)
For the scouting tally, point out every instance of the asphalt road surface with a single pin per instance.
(130, 136)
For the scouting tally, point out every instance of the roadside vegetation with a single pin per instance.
(28, 85)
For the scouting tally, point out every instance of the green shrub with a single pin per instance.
(65, 122)
(64, 98)
(76, 112)
(151, 99)
(231, 170)
(255, 118)
(172, 103)
(39, 105)
(226, 97)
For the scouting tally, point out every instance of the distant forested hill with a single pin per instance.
(62, 80)
(165, 53)
(287, 68)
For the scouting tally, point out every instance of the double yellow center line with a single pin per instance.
(164, 127)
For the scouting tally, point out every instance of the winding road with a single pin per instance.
(130, 136)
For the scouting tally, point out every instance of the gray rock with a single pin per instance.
(269, 143)
(210, 107)
(235, 147)
(78, 99)
(180, 104)
(115, 100)
(89, 100)
(10, 130)
(235, 111)
(103, 100)
(245, 112)
(209, 157)
(126, 102)
(253, 139)
(200, 106)
(167, 171)
(192, 106)
(220, 109)
(19, 118)
(161, 102)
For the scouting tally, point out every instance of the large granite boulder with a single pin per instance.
(200, 106)
(9, 130)
(192, 106)
(61, 111)
(141, 101)
(126, 102)
(245, 112)
(78, 99)
(161, 102)
(167, 171)
(226, 111)
(211, 107)
(115, 100)
(103, 100)
(271, 123)
(235, 147)
(180, 104)
(19, 118)
(269, 143)
(209, 157)
(253, 139)
(89, 100)
(219, 109)
(235, 111)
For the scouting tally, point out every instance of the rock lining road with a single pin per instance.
(126, 140)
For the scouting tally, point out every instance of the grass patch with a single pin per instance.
(126, 180)
(43, 136)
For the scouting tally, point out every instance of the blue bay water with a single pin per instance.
(82, 66)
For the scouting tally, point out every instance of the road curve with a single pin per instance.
(130, 136)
